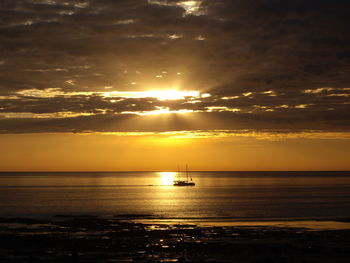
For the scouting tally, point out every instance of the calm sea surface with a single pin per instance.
(228, 195)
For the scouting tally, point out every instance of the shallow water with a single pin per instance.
(217, 195)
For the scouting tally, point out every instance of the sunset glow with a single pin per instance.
(159, 111)
(162, 95)
(174, 131)
(242, 80)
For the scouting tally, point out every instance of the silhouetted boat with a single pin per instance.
(185, 182)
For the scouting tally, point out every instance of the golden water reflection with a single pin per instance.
(307, 224)
(166, 178)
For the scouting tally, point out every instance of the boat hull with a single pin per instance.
(184, 183)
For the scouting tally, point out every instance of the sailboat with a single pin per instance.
(185, 182)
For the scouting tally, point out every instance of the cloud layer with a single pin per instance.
(262, 64)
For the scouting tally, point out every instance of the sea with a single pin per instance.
(217, 196)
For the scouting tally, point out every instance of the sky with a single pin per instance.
(147, 84)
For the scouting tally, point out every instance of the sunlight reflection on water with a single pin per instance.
(228, 195)
(167, 178)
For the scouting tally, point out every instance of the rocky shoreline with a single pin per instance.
(95, 239)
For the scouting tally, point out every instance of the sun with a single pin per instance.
(189, 96)
(169, 94)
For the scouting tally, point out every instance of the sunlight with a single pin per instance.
(191, 7)
(167, 178)
(170, 94)
(160, 110)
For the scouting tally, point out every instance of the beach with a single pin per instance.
(65, 238)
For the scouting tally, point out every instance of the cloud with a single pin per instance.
(266, 63)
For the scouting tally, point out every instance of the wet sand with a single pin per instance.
(94, 239)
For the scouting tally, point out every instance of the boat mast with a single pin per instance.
(178, 172)
(187, 172)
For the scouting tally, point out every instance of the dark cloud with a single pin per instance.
(290, 122)
(230, 48)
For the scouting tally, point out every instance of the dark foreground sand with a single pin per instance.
(93, 239)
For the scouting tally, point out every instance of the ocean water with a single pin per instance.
(217, 195)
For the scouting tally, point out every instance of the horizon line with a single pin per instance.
(123, 171)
